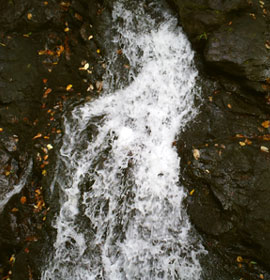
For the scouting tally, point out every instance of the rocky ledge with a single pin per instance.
(225, 154)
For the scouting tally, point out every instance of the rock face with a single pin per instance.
(232, 35)
(231, 134)
(43, 46)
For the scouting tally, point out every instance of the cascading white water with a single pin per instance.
(122, 213)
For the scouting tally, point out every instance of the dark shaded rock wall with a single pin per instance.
(225, 154)
(43, 47)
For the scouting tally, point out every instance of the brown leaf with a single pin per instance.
(23, 200)
(39, 135)
(78, 17)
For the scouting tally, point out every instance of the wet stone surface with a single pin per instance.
(50, 59)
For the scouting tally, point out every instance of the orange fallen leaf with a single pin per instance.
(78, 17)
(13, 210)
(229, 106)
(39, 135)
(266, 124)
(69, 87)
(44, 80)
(29, 16)
(261, 276)
(23, 200)
(1, 129)
(60, 49)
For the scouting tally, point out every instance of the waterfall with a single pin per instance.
(122, 214)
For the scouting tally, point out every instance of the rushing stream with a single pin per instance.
(122, 214)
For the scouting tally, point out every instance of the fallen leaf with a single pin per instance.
(66, 29)
(65, 4)
(39, 135)
(12, 259)
(196, 154)
(23, 200)
(44, 172)
(267, 45)
(264, 149)
(29, 16)
(239, 259)
(78, 17)
(248, 142)
(13, 210)
(1, 129)
(69, 87)
(192, 192)
(26, 250)
(253, 15)
(266, 124)
(49, 147)
(266, 137)
(119, 52)
(229, 106)
(99, 86)
(261, 276)
(242, 144)
(90, 37)
(98, 51)
(239, 136)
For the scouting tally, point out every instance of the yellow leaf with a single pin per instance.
(98, 51)
(49, 147)
(12, 259)
(44, 172)
(229, 106)
(14, 210)
(242, 144)
(1, 129)
(266, 124)
(239, 259)
(192, 192)
(261, 276)
(69, 87)
(29, 16)
(66, 29)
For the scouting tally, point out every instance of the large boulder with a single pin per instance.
(232, 36)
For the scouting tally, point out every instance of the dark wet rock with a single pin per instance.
(39, 58)
(230, 177)
(230, 205)
(231, 36)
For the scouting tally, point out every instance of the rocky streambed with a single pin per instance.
(51, 58)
